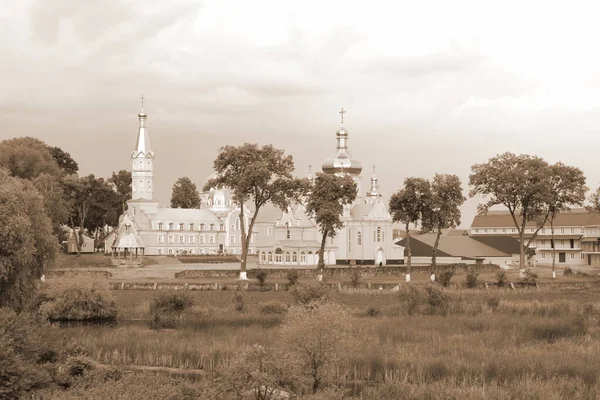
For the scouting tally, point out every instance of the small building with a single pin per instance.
(86, 247)
(128, 248)
(109, 240)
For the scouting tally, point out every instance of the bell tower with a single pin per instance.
(142, 167)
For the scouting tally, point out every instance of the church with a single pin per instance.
(279, 237)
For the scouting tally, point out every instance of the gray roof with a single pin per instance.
(128, 241)
(185, 214)
(458, 246)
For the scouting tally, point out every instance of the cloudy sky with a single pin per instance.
(429, 86)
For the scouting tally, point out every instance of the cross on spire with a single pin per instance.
(373, 169)
(342, 112)
(142, 102)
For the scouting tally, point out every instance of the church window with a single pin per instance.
(171, 239)
(181, 226)
(218, 202)
(181, 239)
(171, 226)
(302, 257)
(359, 234)
(160, 226)
(378, 234)
(148, 165)
(287, 257)
(192, 239)
(278, 255)
(134, 186)
(161, 238)
(141, 185)
(232, 239)
(269, 231)
(202, 227)
(221, 227)
(149, 185)
(211, 239)
(201, 239)
(228, 202)
(383, 236)
(287, 230)
(237, 224)
(192, 226)
(270, 259)
(294, 257)
(140, 165)
(211, 227)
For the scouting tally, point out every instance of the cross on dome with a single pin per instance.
(342, 112)
(142, 102)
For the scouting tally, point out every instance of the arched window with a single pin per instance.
(149, 186)
(181, 226)
(141, 165)
(302, 257)
(294, 257)
(160, 226)
(134, 186)
(263, 256)
(192, 226)
(221, 227)
(211, 227)
(232, 239)
(218, 202)
(287, 257)
(148, 165)
(378, 234)
(287, 230)
(171, 226)
(141, 185)
(202, 227)
(359, 234)
(237, 224)
(270, 257)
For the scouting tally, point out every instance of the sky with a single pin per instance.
(428, 86)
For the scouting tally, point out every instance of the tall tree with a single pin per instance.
(27, 157)
(567, 188)
(326, 201)
(522, 184)
(28, 245)
(259, 175)
(443, 210)
(407, 206)
(53, 194)
(64, 160)
(185, 194)
(121, 182)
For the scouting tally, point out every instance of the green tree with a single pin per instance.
(567, 188)
(27, 244)
(407, 205)
(260, 175)
(185, 194)
(443, 211)
(522, 184)
(121, 182)
(325, 203)
(64, 160)
(27, 157)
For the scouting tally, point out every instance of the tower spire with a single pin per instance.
(374, 192)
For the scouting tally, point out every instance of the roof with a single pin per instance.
(128, 241)
(185, 214)
(506, 244)
(503, 219)
(360, 211)
(299, 243)
(268, 214)
(455, 246)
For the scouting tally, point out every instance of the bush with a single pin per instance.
(568, 271)
(501, 278)
(430, 300)
(310, 291)
(355, 276)
(529, 276)
(437, 300)
(445, 277)
(471, 278)
(238, 301)
(76, 366)
(373, 312)
(493, 303)
(273, 307)
(261, 275)
(169, 307)
(292, 277)
(554, 330)
(74, 298)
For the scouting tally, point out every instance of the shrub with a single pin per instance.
(261, 275)
(292, 277)
(445, 277)
(310, 291)
(74, 298)
(76, 366)
(529, 276)
(493, 303)
(273, 307)
(553, 330)
(437, 300)
(471, 278)
(568, 271)
(430, 300)
(373, 312)
(501, 278)
(238, 301)
(355, 276)
(168, 308)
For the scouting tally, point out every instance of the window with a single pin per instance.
(544, 243)
(331, 240)
(160, 226)
(287, 230)
(171, 226)
(263, 256)
(191, 251)
(211, 239)
(302, 257)
(287, 257)
(149, 186)
(171, 239)
(269, 231)
(141, 186)
(232, 239)
(211, 227)
(218, 202)
(160, 251)
(294, 257)
(543, 256)
(504, 230)
(170, 251)
(202, 227)
(181, 239)
(221, 227)
(494, 230)
(359, 238)
(148, 165)
(192, 226)
(562, 230)
(192, 239)
(237, 224)
(572, 230)
(562, 242)
(202, 251)
(161, 238)
(181, 226)
(251, 239)
(572, 256)
(270, 259)
(201, 239)
(378, 234)
(582, 256)
(485, 231)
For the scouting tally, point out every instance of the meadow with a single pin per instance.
(446, 343)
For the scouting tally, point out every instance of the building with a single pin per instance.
(279, 237)
(86, 247)
(576, 236)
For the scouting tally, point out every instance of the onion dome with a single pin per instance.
(342, 162)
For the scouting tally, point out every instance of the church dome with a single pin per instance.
(342, 161)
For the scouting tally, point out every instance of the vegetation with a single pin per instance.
(168, 308)
(185, 194)
(258, 174)
(471, 278)
(445, 276)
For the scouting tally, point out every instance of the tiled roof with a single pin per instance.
(502, 219)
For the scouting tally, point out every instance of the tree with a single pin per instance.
(121, 182)
(522, 184)
(53, 194)
(326, 201)
(28, 245)
(27, 157)
(260, 175)
(407, 206)
(64, 160)
(567, 188)
(185, 194)
(443, 211)
(317, 334)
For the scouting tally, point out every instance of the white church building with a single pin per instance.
(279, 237)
